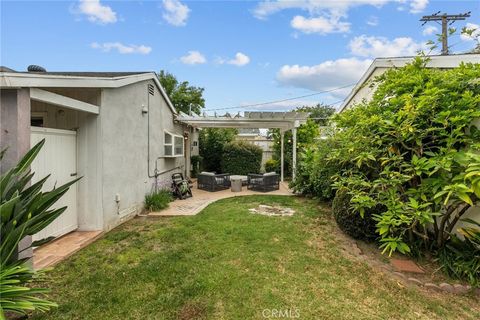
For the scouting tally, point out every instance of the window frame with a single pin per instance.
(172, 145)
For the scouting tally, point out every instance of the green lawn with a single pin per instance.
(226, 263)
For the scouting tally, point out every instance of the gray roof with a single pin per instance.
(90, 74)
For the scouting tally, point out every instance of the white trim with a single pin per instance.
(52, 130)
(63, 101)
(446, 62)
(32, 80)
(172, 144)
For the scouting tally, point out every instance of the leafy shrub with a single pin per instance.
(315, 171)
(240, 157)
(413, 148)
(211, 144)
(158, 200)
(25, 210)
(272, 165)
(461, 258)
(350, 221)
(306, 134)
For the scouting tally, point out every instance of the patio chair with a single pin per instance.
(264, 182)
(210, 181)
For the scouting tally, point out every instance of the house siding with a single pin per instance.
(124, 140)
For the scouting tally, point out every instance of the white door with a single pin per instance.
(58, 158)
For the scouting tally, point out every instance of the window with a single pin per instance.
(37, 119)
(173, 145)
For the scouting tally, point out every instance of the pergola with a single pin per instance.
(268, 120)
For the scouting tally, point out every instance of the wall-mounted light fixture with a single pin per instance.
(144, 109)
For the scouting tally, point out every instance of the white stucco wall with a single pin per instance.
(124, 140)
(365, 91)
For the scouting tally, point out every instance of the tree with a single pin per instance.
(212, 141)
(184, 97)
(320, 113)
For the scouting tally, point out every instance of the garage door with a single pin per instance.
(57, 158)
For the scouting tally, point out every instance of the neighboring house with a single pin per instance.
(363, 90)
(116, 130)
(254, 136)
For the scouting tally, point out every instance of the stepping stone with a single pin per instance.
(415, 281)
(406, 266)
(447, 287)
(460, 289)
(432, 286)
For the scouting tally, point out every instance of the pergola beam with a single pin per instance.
(268, 120)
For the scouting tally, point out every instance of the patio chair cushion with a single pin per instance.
(270, 173)
(205, 173)
(219, 180)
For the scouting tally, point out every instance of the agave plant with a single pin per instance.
(24, 211)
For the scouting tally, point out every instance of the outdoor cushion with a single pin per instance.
(270, 173)
(207, 173)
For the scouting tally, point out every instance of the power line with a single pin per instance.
(282, 100)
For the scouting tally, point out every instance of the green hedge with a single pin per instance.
(350, 221)
(240, 157)
(272, 165)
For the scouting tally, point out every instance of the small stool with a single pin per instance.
(236, 184)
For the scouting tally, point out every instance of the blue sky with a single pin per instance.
(241, 52)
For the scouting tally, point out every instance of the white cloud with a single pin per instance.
(372, 21)
(429, 30)
(324, 76)
(372, 46)
(327, 16)
(475, 34)
(176, 13)
(321, 25)
(96, 12)
(121, 48)
(240, 60)
(335, 7)
(417, 6)
(193, 57)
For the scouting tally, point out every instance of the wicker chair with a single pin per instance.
(264, 182)
(210, 181)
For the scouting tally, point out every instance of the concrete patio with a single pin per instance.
(202, 199)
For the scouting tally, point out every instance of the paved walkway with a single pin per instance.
(202, 199)
(63, 247)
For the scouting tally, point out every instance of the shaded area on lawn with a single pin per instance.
(227, 263)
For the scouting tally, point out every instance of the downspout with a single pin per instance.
(150, 91)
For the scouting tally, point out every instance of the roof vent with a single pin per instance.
(35, 68)
(6, 69)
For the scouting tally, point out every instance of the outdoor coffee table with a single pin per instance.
(237, 182)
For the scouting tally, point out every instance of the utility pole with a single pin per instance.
(446, 19)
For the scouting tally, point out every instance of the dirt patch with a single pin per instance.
(272, 211)
(192, 310)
